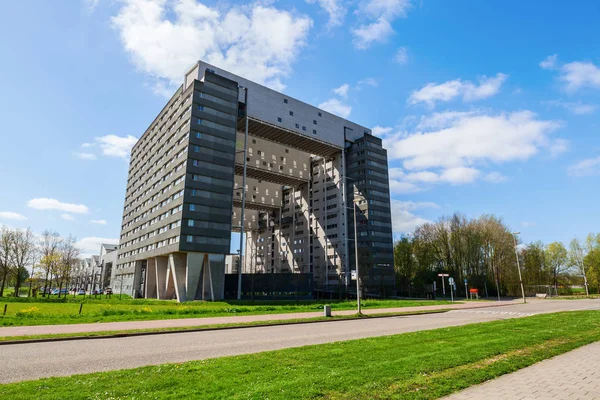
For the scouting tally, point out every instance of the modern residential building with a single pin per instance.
(107, 263)
(306, 169)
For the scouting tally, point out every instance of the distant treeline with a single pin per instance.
(482, 250)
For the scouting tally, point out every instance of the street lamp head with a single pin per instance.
(516, 233)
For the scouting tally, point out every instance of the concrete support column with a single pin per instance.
(150, 290)
(161, 265)
(193, 272)
(178, 266)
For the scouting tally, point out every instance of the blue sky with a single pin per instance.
(485, 107)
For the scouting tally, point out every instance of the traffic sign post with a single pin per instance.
(466, 290)
(451, 282)
(443, 283)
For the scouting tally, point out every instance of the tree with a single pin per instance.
(22, 255)
(404, 262)
(6, 237)
(576, 257)
(68, 258)
(592, 259)
(557, 261)
(49, 255)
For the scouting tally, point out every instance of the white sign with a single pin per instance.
(443, 275)
(451, 281)
(353, 272)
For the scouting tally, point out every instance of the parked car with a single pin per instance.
(108, 291)
(97, 291)
(81, 292)
(54, 291)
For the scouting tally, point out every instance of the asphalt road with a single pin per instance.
(38, 360)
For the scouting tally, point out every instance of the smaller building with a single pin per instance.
(232, 263)
(107, 262)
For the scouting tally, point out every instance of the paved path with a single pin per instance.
(574, 375)
(28, 361)
(186, 322)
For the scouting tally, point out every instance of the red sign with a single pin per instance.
(473, 291)
(443, 274)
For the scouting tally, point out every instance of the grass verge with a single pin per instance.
(67, 312)
(139, 332)
(420, 365)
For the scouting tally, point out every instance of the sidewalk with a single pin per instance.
(199, 322)
(574, 375)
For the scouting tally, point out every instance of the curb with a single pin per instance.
(199, 329)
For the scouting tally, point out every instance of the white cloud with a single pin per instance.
(473, 138)
(381, 130)
(577, 108)
(439, 120)
(495, 177)
(549, 62)
(578, 74)
(368, 82)
(256, 40)
(67, 217)
(342, 91)
(336, 107)
(378, 31)
(433, 92)
(587, 167)
(334, 8)
(85, 156)
(454, 176)
(558, 146)
(381, 14)
(401, 56)
(116, 146)
(53, 204)
(403, 220)
(459, 144)
(12, 216)
(459, 175)
(91, 245)
(98, 222)
(110, 146)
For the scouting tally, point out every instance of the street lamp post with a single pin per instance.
(356, 257)
(514, 234)
(356, 250)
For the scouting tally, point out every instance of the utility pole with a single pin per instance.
(519, 266)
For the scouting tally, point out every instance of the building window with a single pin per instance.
(304, 128)
(190, 222)
(192, 207)
(253, 141)
(297, 126)
(190, 238)
(314, 131)
(314, 121)
(279, 119)
(285, 101)
(320, 115)
(287, 150)
(292, 113)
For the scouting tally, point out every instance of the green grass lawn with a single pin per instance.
(420, 365)
(67, 311)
